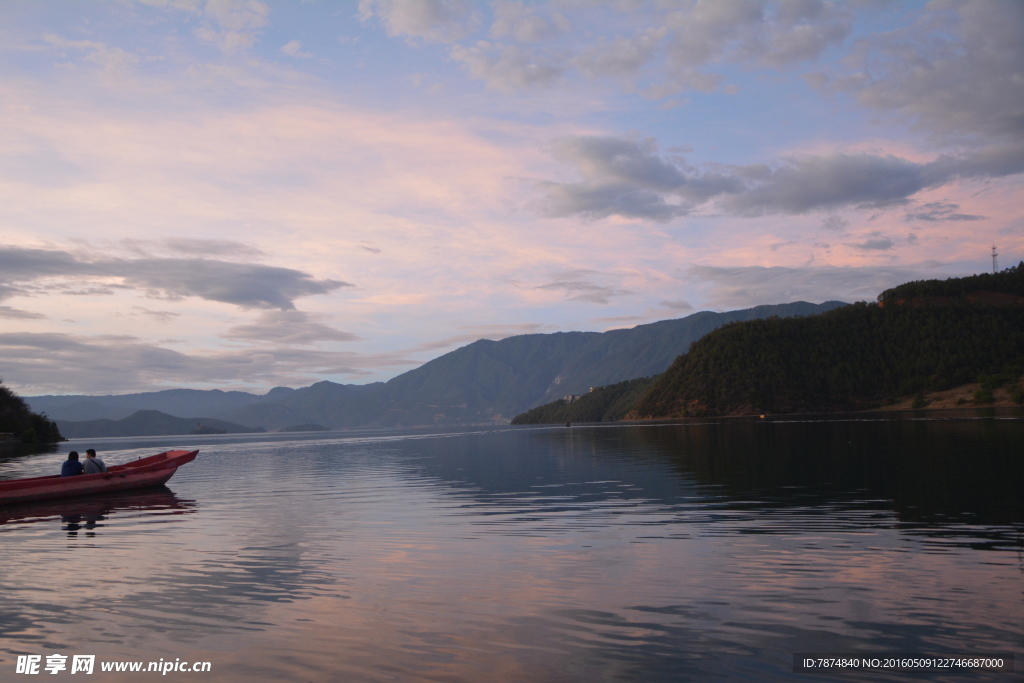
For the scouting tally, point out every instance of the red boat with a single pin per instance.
(143, 473)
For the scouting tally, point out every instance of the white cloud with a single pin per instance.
(677, 46)
(340, 171)
(246, 285)
(113, 60)
(288, 327)
(731, 288)
(435, 20)
(293, 48)
(620, 55)
(932, 212)
(835, 223)
(626, 178)
(814, 182)
(158, 316)
(578, 285)
(233, 25)
(630, 178)
(754, 32)
(472, 333)
(18, 314)
(117, 364)
(876, 241)
(958, 72)
(192, 247)
(659, 48)
(508, 67)
(676, 305)
(515, 20)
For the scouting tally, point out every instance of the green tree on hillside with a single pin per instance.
(16, 418)
(923, 336)
(603, 404)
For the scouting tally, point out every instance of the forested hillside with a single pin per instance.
(854, 357)
(18, 420)
(603, 404)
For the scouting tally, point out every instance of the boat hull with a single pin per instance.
(152, 471)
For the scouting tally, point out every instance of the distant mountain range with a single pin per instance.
(483, 382)
(150, 423)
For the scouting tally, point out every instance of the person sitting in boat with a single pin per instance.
(71, 466)
(92, 464)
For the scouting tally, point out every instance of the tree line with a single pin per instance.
(1008, 281)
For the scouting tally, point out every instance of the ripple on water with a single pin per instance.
(611, 554)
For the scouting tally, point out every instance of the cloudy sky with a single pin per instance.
(241, 194)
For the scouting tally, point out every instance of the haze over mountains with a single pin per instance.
(486, 381)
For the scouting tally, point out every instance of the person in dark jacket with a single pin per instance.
(92, 464)
(71, 466)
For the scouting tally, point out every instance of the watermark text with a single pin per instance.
(87, 664)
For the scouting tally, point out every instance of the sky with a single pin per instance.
(240, 194)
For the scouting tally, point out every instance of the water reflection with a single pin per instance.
(929, 473)
(667, 552)
(91, 512)
(12, 451)
(967, 470)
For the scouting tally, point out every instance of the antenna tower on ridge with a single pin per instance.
(995, 266)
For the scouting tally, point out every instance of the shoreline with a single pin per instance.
(957, 398)
(970, 412)
(960, 398)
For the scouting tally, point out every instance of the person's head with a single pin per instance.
(90, 453)
(73, 455)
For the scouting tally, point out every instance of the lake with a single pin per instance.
(654, 552)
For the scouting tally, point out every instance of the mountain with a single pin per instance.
(486, 381)
(647, 350)
(180, 402)
(150, 423)
(493, 380)
(489, 381)
(922, 337)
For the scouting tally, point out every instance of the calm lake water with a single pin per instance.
(648, 552)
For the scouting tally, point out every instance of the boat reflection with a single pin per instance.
(89, 513)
